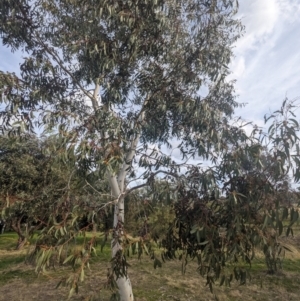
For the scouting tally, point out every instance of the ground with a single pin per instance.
(19, 282)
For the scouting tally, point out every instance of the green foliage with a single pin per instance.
(148, 212)
(27, 192)
(224, 232)
(42, 191)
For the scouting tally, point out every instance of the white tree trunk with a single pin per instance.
(117, 184)
(125, 289)
(123, 282)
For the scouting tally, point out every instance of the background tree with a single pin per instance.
(23, 168)
(149, 211)
(24, 179)
(224, 214)
(39, 190)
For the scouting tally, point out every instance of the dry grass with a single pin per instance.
(18, 282)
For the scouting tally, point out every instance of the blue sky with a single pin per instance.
(267, 58)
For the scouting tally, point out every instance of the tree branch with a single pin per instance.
(115, 189)
(95, 96)
(165, 172)
(131, 153)
(147, 183)
(101, 194)
(136, 187)
(132, 150)
(60, 63)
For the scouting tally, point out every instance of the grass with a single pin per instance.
(8, 241)
(18, 281)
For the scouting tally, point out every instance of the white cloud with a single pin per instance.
(259, 18)
(290, 10)
(238, 67)
(267, 62)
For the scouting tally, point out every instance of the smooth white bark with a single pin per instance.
(125, 289)
(123, 282)
(118, 189)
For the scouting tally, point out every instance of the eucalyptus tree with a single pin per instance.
(117, 77)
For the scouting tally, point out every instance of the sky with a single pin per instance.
(267, 57)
